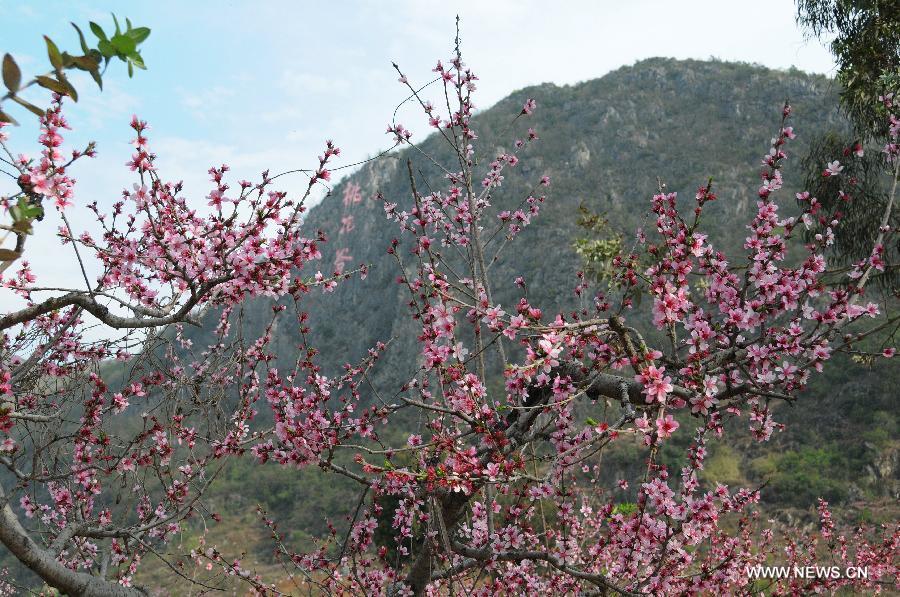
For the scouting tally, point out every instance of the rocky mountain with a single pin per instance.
(606, 144)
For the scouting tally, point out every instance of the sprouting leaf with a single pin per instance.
(139, 34)
(70, 89)
(591, 421)
(84, 46)
(54, 54)
(87, 63)
(135, 58)
(116, 21)
(95, 74)
(98, 31)
(68, 60)
(106, 49)
(51, 84)
(123, 44)
(12, 76)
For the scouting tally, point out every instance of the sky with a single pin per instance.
(260, 85)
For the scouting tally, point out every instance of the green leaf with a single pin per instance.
(135, 58)
(130, 69)
(12, 76)
(106, 49)
(116, 21)
(70, 89)
(139, 34)
(84, 46)
(51, 84)
(98, 31)
(86, 63)
(29, 211)
(123, 44)
(53, 53)
(625, 508)
(95, 74)
(591, 421)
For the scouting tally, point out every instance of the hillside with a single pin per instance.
(604, 143)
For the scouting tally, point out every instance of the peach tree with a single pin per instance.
(109, 442)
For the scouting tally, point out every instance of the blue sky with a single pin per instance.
(263, 84)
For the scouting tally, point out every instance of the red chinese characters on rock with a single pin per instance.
(341, 258)
(352, 196)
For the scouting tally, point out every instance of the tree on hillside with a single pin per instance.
(109, 445)
(864, 37)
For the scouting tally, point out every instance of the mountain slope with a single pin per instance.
(604, 143)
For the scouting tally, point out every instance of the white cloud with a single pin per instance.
(300, 84)
(208, 103)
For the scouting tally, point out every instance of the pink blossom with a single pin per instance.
(833, 169)
(657, 385)
(529, 107)
(665, 426)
